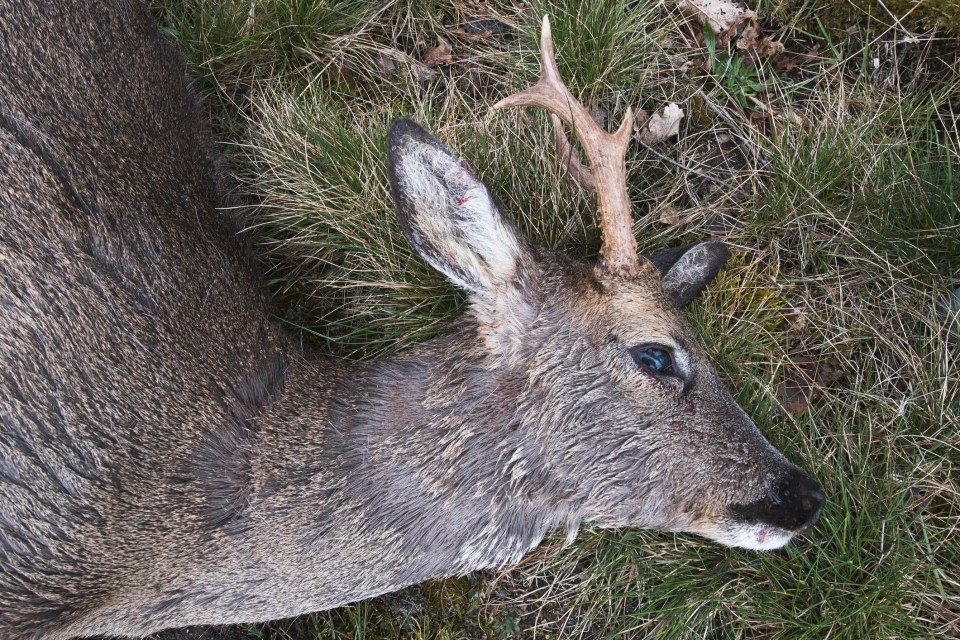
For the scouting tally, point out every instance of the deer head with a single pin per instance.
(625, 422)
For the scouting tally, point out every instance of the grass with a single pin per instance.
(837, 184)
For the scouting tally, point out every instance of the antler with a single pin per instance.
(605, 152)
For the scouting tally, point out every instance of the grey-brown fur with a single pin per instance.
(168, 456)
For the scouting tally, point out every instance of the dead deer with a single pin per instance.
(169, 456)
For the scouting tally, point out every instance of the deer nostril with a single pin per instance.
(794, 503)
(812, 503)
(800, 499)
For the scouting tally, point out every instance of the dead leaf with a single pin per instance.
(749, 37)
(804, 382)
(385, 62)
(769, 48)
(758, 119)
(754, 44)
(440, 54)
(662, 125)
(723, 16)
(640, 117)
(422, 72)
(785, 63)
(669, 215)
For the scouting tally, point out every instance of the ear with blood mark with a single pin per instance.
(687, 270)
(449, 217)
(451, 220)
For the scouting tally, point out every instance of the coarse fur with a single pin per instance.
(169, 456)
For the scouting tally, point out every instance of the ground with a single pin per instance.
(831, 168)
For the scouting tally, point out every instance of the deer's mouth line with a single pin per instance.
(758, 536)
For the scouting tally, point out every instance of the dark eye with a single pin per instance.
(653, 359)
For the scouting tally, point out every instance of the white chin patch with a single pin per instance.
(760, 537)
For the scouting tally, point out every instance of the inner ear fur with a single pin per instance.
(449, 217)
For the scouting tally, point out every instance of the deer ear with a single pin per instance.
(687, 270)
(448, 215)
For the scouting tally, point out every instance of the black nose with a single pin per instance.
(793, 502)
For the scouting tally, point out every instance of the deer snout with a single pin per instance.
(793, 503)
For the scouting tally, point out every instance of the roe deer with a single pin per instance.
(169, 456)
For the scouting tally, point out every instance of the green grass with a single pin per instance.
(842, 208)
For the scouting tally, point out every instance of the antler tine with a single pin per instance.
(605, 151)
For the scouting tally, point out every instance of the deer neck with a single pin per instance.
(399, 470)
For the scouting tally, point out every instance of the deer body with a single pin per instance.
(169, 456)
